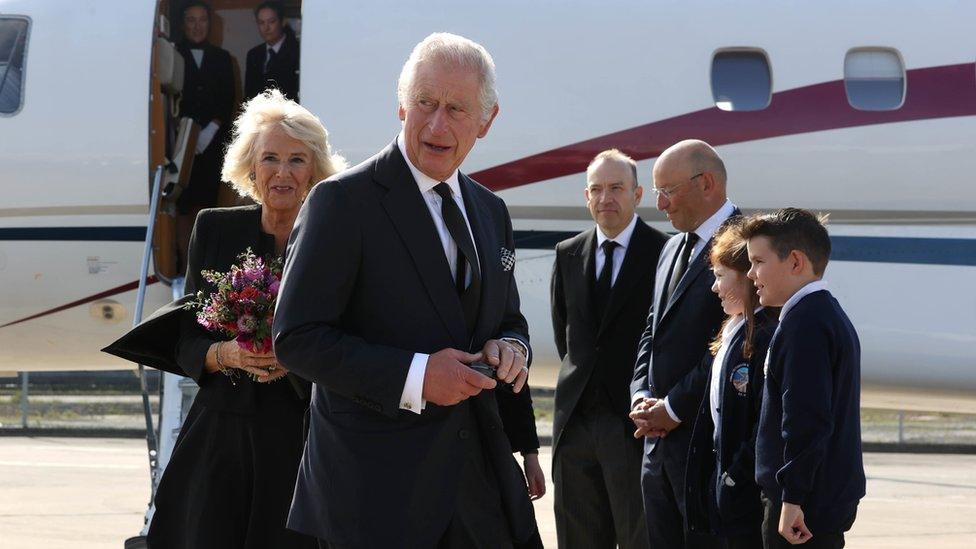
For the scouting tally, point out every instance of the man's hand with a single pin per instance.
(651, 418)
(509, 363)
(791, 525)
(448, 380)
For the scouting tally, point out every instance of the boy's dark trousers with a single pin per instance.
(773, 540)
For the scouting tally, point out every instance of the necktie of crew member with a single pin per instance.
(466, 259)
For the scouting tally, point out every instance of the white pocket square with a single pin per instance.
(508, 259)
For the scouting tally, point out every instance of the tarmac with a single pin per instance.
(87, 493)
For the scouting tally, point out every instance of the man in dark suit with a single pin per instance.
(689, 181)
(601, 292)
(274, 62)
(399, 274)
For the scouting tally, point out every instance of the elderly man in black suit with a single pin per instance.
(690, 185)
(274, 62)
(400, 274)
(602, 283)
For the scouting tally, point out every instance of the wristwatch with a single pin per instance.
(518, 345)
(727, 480)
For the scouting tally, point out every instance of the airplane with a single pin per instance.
(860, 110)
(863, 110)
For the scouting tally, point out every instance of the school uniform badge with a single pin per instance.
(740, 379)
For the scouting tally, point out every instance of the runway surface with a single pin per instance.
(87, 493)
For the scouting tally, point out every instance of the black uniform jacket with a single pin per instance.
(711, 504)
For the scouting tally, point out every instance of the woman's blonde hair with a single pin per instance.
(269, 110)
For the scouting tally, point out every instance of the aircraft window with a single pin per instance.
(874, 79)
(741, 80)
(13, 44)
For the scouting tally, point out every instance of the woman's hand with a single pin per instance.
(535, 479)
(262, 366)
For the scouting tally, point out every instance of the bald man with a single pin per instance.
(689, 185)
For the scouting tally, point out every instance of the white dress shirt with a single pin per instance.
(814, 286)
(412, 396)
(622, 240)
(276, 47)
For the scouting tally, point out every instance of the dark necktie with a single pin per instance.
(601, 295)
(681, 265)
(269, 60)
(466, 258)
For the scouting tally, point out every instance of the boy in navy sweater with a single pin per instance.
(808, 448)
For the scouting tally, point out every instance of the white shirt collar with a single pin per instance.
(814, 286)
(277, 45)
(426, 183)
(707, 229)
(623, 239)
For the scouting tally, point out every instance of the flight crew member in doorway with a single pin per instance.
(602, 284)
(690, 183)
(208, 98)
(274, 62)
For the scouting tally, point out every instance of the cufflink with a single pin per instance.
(407, 406)
(727, 480)
(508, 259)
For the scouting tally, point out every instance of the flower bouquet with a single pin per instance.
(242, 307)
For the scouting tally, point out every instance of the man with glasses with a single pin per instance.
(667, 388)
(601, 292)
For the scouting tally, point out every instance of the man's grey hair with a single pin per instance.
(457, 51)
(616, 156)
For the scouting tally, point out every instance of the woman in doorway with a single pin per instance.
(208, 98)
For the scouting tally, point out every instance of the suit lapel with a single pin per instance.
(411, 217)
(585, 254)
(487, 248)
(695, 269)
(668, 256)
(631, 270)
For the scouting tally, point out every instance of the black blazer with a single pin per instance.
(676, 336)
(172, 341)
(592, 348)
(208, 91)
(711, 505)
(282, 70)
(366, 286)
(808, 450)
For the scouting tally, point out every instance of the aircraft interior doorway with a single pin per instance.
(234, 27)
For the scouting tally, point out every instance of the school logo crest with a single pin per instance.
(740, 379)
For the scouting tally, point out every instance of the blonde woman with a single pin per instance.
(229, 481)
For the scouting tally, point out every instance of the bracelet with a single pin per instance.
(224, 369)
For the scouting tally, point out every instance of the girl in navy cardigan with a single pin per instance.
(722, 495)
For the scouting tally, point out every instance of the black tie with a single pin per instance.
(681, 265)
(269, 60)
(470, 294)
(601, 295)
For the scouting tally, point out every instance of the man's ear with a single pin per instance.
(487, 124)
(402, 113)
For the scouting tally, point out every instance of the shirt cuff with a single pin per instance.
(667, 406)
(638, 396)
(412, 398)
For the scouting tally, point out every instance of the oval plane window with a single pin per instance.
(13, 43)
(874, 79)
(741, 80)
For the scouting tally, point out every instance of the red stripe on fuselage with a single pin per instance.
(107, 293)
(933, 92)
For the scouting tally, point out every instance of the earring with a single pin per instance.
(251, 176)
